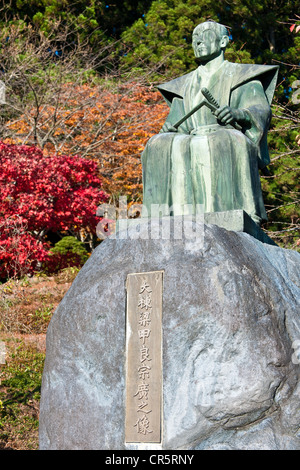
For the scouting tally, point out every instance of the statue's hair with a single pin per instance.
(220, 29)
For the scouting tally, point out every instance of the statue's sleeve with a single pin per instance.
(176, 112)
(251, 98)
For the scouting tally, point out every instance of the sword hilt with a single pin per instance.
(211, 100)
(207, 94)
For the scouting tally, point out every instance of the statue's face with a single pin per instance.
(206, 44)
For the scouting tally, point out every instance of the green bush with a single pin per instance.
(69, 252)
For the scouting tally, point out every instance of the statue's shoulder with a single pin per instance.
(243, 73)
(238, 74)
(175, 88)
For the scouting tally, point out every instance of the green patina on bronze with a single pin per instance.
(213, 157)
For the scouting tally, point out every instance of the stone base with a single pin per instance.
(230, 347)
(237, 221)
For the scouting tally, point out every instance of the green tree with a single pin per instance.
(258, 31)
(81, 15)
(86, 16)
(282, 186)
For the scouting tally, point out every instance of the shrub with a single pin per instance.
(43, 195)
(68, 252)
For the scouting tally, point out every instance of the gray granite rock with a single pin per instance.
(231, 325)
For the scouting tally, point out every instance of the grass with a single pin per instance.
(19, 395)
(26, 307)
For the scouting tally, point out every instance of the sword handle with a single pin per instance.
(207, 94)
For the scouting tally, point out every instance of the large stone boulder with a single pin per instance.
(230, 336)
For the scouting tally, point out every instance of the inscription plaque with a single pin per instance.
(144, 357)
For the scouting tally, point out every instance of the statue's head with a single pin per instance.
(210, 39)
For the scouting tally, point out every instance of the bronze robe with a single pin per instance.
(205, 163)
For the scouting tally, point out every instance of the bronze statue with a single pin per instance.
(214, 140)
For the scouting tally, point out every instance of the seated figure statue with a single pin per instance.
(210, 157)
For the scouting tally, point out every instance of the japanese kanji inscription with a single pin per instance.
(144, 357)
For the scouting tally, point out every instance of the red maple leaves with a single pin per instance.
(42, 194)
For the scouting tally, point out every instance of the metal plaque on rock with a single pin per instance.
(144, 357)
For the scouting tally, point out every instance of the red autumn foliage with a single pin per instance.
(42, 194)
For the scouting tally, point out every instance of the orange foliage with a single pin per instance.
(109, 127)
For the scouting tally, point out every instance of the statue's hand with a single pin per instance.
(228, 115)
(167, 127)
